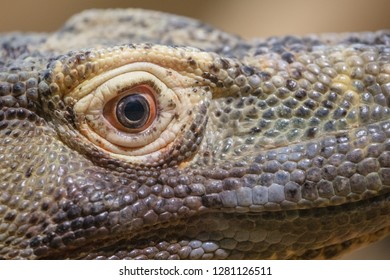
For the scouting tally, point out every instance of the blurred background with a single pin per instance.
(247, 18)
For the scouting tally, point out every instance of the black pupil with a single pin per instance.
(133, 111)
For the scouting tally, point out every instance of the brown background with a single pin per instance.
(248, 18)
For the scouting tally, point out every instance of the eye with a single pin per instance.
(133, 111)
(136, 113)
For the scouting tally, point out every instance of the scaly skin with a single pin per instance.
(275, 148)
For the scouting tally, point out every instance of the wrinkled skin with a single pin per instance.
(275, 148)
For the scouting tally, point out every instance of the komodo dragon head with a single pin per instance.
(136, 134)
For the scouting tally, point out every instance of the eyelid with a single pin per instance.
(175, 98)
(89, 109)
(95, 100)
(86, 87)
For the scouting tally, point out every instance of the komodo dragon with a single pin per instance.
(138, 134)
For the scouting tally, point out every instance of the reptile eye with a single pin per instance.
(133, 111)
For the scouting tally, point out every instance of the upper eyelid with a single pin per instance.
(88, 86)
(102, 91)
(159, 72)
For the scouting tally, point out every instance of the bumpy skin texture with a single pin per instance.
(275, 148)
